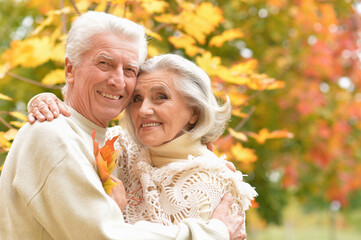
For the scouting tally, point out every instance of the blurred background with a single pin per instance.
(291, 69)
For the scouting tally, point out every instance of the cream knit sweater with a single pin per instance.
(180, 179)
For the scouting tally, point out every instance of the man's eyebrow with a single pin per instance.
(133, 64)
(105, 56)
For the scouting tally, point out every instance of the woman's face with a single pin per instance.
(159, 112)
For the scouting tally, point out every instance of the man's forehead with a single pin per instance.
(106, 55)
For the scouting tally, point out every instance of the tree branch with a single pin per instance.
(63, 19)
(5, 123)
(75, 7)
(109, 4)
(13, 75)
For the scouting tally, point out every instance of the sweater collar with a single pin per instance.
(87, 125)
(178, 150)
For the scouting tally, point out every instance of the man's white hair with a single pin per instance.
(83, 29)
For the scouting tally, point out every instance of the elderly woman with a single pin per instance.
(167, 171)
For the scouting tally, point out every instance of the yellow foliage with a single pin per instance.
(4, 68)
(153, 51)
(58, 53)
(154, 6)
(237, 99)
(10, 134)
(54, 77)
(186, 42)
(19, 115)
(231, 77)
(5, 144)
(263, 82)
(225, 36)
(167, 18)
(4, 97)
(17, 124)
(239, 114)
(153, 34)
(30, 52)
(199, 21)
(244, 67)
(244, 155)
(208, 63)
(238, 135)
(264, 135)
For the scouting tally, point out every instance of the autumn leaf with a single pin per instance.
(1, 168)
(210, 64)
(19, 115)
(186, 42)
(239, 114)
(239, 135)
(30, 52)
(54, 77)
(154, 6)
(4, 68)
(225, 36)
(17, 124)
(152, 34)
(5, 144)
(199, 21)
(4, 97)
(264, 135)
(243, 155)
(106, 160)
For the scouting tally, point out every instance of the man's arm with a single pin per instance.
(70, 202)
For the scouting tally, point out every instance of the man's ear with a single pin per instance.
(69, 74)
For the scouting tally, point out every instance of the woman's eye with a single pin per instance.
(136, 98)
(162, 96)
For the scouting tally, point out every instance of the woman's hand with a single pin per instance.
(118, 193)
(46, 107)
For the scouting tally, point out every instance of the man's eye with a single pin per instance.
(131, 71)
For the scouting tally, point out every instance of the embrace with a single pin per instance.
(176, 187)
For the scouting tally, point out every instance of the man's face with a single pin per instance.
(101, 86)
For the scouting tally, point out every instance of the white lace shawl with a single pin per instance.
(183, 189)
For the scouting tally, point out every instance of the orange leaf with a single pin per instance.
(244, 155)
(106, 161)
(264, 134)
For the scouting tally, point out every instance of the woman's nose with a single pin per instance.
(146, 109)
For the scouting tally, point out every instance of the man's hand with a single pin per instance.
(46, 107)
(233, 223)
(118, 193)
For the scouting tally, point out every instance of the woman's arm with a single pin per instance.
(45, 107)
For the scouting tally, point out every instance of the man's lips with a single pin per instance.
(111, 96)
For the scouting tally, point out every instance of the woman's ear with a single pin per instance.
(69, 74)
(195, 115)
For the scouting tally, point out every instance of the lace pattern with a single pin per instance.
(183, 189)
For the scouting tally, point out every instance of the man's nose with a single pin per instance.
(117, 78)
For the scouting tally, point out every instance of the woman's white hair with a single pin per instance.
(83, 29)
(195, 85)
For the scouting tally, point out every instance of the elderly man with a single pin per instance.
(49, 187)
